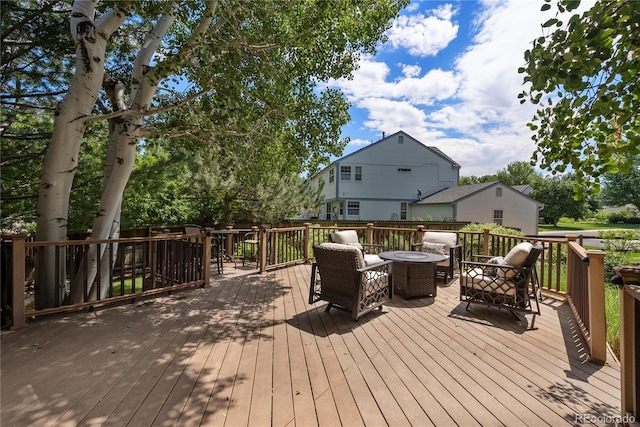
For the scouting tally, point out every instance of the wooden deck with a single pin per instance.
(249, 350)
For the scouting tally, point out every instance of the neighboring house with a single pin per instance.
(379, 181)
(484, 203)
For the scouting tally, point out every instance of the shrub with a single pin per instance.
(619, 240)
(626, 217)
(495, 229)
(611, 260)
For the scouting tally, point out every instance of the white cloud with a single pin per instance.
(410, 70)
(424, 35)
(468, 108)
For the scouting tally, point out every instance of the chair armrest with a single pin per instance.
(415, 246)
(486, 264)
(374, 266)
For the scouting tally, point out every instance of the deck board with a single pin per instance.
(250, 350)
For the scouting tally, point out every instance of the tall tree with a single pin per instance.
(556, 192)
(34, 65)
(223, 48)
(518, 173)
(620, 189)
(583, 74)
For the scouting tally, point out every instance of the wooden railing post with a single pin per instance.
(206, 257)
(419, 233)
(485, 245)
(18, 263)
(307, 240)
(629, 336)
(597, 316)
(228, 242)
(264, 245)
(369, 234)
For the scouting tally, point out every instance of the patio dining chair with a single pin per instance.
(340, 276)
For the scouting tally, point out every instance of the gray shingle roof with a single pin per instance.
(452, 194)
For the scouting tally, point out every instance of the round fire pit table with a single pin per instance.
(413, 273)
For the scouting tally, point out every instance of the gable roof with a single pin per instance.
(460, 192)
(435, 150)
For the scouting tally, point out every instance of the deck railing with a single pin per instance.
(552, 265)
(585, 294)
(89, 273)
(630, 351)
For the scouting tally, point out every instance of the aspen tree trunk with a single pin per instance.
(123, 139)
(61, 159)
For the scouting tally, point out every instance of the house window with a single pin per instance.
(400, 139)
(353, 208)
(499, 192)
(403, 210)
(358, 174)
(497, 217)
(331, 175)
(345, 173)
(404, 170)
(327, 213)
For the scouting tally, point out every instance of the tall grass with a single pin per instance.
(612, 313)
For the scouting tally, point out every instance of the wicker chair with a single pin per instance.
(508, 282)
(340, 276)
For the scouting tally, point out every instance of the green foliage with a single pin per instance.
(620, 189)
(614, 259)
(265, 113)
(159, 193)
(626, 216)
(468, 180)
(31, 79)
(557, 194)
(620, 240)
(612, 316)
(518, 173)
(493, 229)
(477, 245)
(582, 73)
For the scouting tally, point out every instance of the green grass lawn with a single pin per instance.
(586, 225)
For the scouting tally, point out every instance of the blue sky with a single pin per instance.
(448, 77)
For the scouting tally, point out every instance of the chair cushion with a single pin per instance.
(448, 239)
(495, 260)
(433, 248)
(346, 237)
(475, 279)
(518, 254)
(516, 257)
(343, 247)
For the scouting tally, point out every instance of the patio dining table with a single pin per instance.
(218, 246)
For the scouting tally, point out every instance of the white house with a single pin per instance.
(487, 202)
(381, 180)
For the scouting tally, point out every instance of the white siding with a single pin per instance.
(518, 210)
(392, 172)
